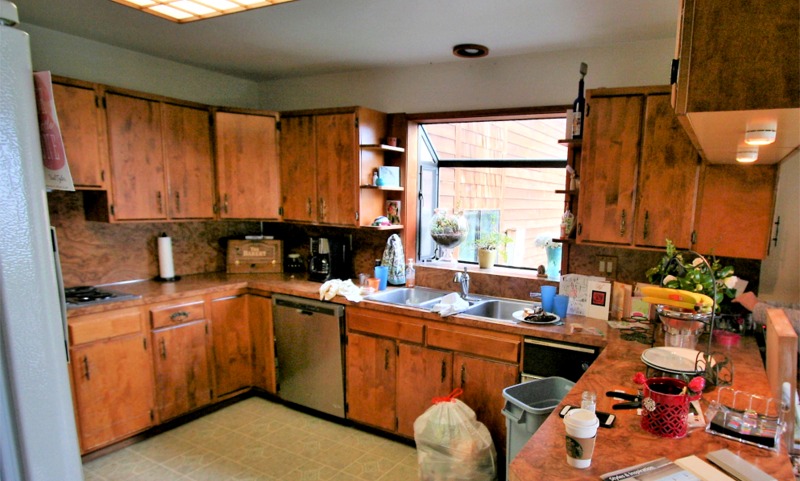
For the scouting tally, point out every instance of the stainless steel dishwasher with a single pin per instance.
(309, 353)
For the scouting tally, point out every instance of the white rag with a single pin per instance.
(334, 287)
(450, 304)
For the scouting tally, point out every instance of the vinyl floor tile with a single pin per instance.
(259, 440)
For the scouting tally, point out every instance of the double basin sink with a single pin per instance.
(426, 298)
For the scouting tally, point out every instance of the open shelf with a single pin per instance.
(384, 147)
(382, 187)
(382, 227)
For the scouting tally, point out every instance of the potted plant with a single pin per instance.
(488, 245)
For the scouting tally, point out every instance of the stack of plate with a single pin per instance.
(675, 360)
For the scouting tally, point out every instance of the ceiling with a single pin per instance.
(310, 37)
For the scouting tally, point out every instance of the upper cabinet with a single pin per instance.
(638, 171)
(83, 130)
(247, 165)
(738, 66)
(161, 161)
(323, 165)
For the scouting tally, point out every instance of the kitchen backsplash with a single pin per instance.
(99, 253)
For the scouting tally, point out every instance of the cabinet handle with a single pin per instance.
(386, 360)
(463, 375)
(178, 316)
(580, 228)
(622, 223)
(444, 369)
(308, 206)
(178, 201)
(163, 349)
(86, 368)
(322, 209)
(225, 203)
(159, 202)
(646, 225)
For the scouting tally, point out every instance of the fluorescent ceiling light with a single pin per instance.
(746, 154)
(182, 11)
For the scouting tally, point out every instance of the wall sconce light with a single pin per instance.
(746, 154)
(762, 133)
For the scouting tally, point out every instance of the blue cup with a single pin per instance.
(560, 305)
(548, 293)
(382, 273)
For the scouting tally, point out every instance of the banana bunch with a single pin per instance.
(677, 298)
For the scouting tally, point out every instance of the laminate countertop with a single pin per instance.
(626, 443)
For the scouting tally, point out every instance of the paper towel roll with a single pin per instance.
(166, 268)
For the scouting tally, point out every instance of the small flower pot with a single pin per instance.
(486, 258)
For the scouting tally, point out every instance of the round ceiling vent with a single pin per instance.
(470, 50)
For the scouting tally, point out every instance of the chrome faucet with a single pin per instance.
(463, 278)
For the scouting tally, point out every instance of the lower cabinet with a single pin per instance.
(396, 365)
(259, 313)
(112, 375)
(232, 345)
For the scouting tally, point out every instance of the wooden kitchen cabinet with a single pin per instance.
(321, 162)
(161, 163)
(639, 171)
(248, 174)
(83, 132)
(371, 380)
(112, 376)
(259, 313)
(422, 374)
(181, 358)
(735, 210)
(232, 345)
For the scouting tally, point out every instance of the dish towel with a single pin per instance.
(450, 304)
(395, 259)
(334, 287)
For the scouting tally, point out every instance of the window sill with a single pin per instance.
(497, 281)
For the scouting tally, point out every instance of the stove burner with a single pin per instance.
(86, 295)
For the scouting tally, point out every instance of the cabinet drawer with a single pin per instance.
(104, 325)
(387, 325)
(172, 315)
(482, 343)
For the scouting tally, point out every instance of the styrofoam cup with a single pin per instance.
(581, 427)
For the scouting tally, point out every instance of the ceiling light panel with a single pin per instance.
(182, 11)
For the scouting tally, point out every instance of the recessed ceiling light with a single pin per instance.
(746, 154)
(470, 50)
(760, 136)
(182, 11)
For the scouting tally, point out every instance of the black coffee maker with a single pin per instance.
(331, 258)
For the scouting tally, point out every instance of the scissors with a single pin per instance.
(634, 401)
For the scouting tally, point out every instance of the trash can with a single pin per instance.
(527, 406)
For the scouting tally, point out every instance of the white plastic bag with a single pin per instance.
(452, 445)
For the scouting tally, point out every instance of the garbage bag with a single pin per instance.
(452, 445)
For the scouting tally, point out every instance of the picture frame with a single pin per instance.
(393, 211)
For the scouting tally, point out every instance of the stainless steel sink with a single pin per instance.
(499, 309)
(408, 296)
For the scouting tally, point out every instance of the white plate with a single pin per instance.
(675, 360)
(520, 316)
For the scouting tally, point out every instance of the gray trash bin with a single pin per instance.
(527, 406)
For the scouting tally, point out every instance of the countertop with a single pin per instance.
(626, 443)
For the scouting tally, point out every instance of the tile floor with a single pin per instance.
(258, 440)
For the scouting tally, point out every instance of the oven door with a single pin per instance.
(545, 358)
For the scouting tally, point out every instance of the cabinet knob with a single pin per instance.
(622, 223)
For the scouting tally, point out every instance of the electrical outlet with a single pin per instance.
(607, 266)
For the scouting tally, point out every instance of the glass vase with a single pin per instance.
(553, 268)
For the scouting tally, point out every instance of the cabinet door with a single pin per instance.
(233, 353)
(422, 374)
(337, 168)
(608, 170)
(247, 166)
(371, 381)
(113, 382)
(136, 156)
(259, 312)
(483, 382)
(84, 135)
(190, 166)
(299, 169)
(182, 370)
(667, 179)
(735, 210)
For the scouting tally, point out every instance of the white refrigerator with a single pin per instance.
(38, 439)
